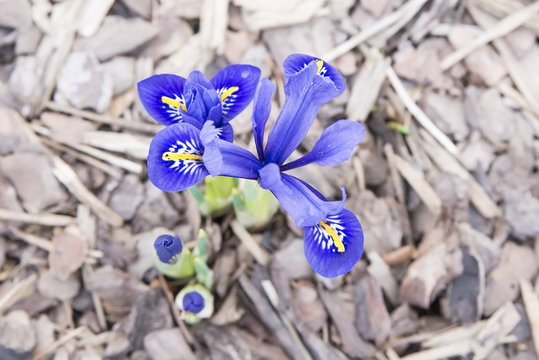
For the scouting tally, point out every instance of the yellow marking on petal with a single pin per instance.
(174, 103)
(173, 156)
(320, 64)
(228, 92)
(336, 239)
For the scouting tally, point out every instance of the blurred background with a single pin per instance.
(445, 183)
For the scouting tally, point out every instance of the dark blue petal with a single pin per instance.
(167, 247)
(193, 302)
(303, 205)
(175, 158)
(223, 158)
(196, 79)
(261, 112)
(296, 62)
(334, 146)
(323, 242)
(160, 95)
(235, 85)
(226, 133)
(305, 91)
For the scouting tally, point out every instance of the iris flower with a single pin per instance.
(184, 105)
(333, 235)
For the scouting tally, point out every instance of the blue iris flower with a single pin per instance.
(333, 235)
(184, 106)
(167, 248)
(193, 302)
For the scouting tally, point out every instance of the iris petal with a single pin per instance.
(305, 92)
(296, 197)
(223, 158)
(334, 146)
(235, 85)
(261, 112)
(162, 97)
(335, 245)
(296, 62)
(175, 158)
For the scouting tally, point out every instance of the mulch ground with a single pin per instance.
(445, 183)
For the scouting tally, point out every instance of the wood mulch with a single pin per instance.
(445, 183)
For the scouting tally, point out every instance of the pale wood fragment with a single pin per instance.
(129, 144)
(65, 174)
(409, 7)
(17, 292)
(445, 161)
(422, 188)
(104, 119)
(502, 28)
(501, 8)
(526, 83)
(531, 302)
(260, 255)
(40, 219)
(420, 116)
(367, 86)
(498, 326)
(379, 270)
(213, 24)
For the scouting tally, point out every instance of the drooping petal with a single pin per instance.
(235, 85)
(303, 205)
(175, 158)
(167, 247)
(334, 245)
(261, 112)
(162, 97)
(334, 146)
(296, 62)
(305, 92)
(223, 158)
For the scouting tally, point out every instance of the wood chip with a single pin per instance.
(531, 301)
(260, 255)
(69, 178)
(447, 162)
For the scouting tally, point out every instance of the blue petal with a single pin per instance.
(151, 92)
(297, 62)
(305, 91)
(334, 146)
(261, 112)
(306, 207)
(193, 302)
(223, 158)
(176, 174)
(322, 252)
(195, 79)
(167, 247)
(235, 85)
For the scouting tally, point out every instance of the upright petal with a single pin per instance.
(296, 197)
(261, 112)
(297, 62)
(235, 85)
(334, 146)
(162, 97)
(306, 90)
(334, 245)
(175, 158)
(223, 158)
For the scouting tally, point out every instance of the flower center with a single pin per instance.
(174, 103)
(228, 92)
(174, 156)
(336, 239)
